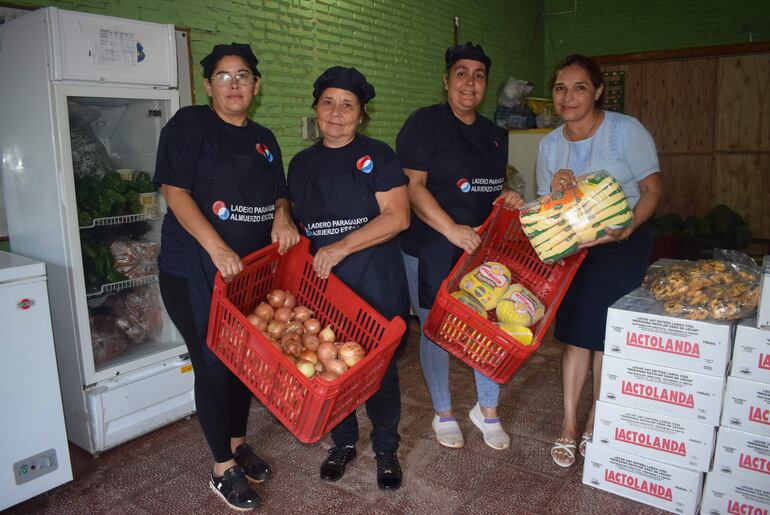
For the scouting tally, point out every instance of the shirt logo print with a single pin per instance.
(220, 210)
(262, 149)
(365, 164)
(464, 185)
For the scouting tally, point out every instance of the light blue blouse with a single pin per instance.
(621, 146)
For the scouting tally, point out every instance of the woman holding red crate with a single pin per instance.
(213, 161)
(349, 197)
(590, 140)
(455, 159)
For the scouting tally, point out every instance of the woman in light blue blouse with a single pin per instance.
(590, 140)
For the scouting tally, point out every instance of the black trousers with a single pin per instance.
(384, 410)
(221, 399)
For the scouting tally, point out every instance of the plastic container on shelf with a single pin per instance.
(480, 342)
(308, 407)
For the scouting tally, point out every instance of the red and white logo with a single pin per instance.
(24, 304)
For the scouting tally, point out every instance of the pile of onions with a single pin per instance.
(292, 329)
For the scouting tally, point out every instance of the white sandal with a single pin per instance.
(566, 445)
(587, 437)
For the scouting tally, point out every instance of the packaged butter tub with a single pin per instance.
(487, 283)
(519, 306)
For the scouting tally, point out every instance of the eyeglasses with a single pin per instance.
(225, 79)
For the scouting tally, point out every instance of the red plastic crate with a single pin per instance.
(477, 341)
(307, 407)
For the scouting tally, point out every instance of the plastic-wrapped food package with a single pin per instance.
(137, 312)
(107, 340)
(705, 290)
(556, 224)
(135, 259)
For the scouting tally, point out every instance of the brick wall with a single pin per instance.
(599, 27)
(398, 45)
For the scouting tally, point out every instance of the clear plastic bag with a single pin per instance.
(558, 223)
(137, 312)
(705, 290)
(135, 259)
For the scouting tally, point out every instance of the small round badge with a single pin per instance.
(464, 185)
(365, 164)
(220, 210)
(262, 149)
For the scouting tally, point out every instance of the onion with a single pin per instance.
(283, 315)
(292, 346)
(276, 298)
(264, 310)
(295, 328)
(319, 367)
(302, 313)
(275, 329)
(309, 355)
(290, 301)
(310, 342)
(306, 367)
(257, 321)
(312, 326)
(266, 335)
(291, 359)
(328, 376)
(336, 366)
(326, 351)
(327, 335)
(351, 353)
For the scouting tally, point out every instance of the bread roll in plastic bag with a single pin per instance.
(470, 302)
(557, 223)
(487, 283)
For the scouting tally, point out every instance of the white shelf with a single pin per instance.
(121, 220)
(123, 285)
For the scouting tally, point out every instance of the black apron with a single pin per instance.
(466, 191)
(238, 200)
(323, 208)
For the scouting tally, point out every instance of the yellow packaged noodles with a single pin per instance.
(519, 306)
(558, 223)
(487, 283)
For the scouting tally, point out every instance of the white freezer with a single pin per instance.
(86, 101)
(34, 456)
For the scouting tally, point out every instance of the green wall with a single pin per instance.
(398, 45)
(600, 27)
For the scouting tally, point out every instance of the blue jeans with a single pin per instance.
(435, 360)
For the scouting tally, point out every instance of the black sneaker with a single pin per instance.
(253, 466)
(333, 467)
(233, 488)
(388, 471)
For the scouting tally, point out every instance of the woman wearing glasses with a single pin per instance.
(222, 177)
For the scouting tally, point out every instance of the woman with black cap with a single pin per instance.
(349, 197)
(455, 160)
(213, 165)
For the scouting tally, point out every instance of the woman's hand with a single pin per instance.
(327, 258)
(227, 262)
(511, 199)
(610, 236)
(563, 180)
(464, 237)
(283, 231)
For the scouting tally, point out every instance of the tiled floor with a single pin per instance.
(166, 471)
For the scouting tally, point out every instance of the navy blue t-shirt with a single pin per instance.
(194, 136)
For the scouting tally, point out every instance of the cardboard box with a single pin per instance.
(650, 482)
(743, 456)
(674, 392)
(677, 441)
(639, 329)
(751, 355)
(763, 311)
(723, 495)
(747, 406)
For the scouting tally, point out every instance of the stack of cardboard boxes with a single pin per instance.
(663, 380)
(739, 481)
